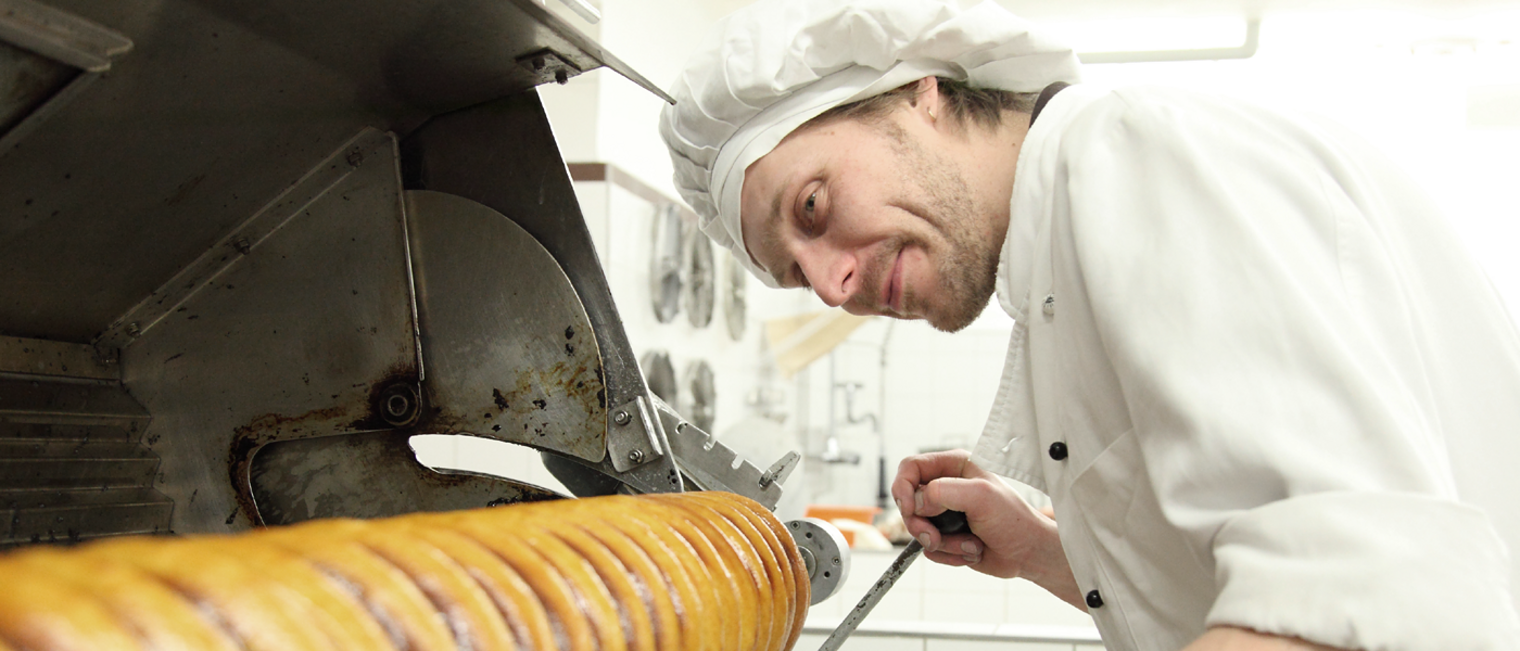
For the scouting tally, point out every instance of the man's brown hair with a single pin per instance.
(964, 103)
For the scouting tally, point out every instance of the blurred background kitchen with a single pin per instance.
(1435, 83)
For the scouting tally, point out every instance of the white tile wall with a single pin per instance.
(939, 390)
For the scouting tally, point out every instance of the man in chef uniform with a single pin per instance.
(1247, 353)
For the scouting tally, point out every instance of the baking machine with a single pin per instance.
(251, 247)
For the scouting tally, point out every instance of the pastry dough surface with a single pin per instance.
(694, 571)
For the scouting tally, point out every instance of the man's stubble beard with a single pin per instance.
(968, 265)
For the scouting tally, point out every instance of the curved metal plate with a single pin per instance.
(368, 475)
(508, 348)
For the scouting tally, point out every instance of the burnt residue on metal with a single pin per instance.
(601, 394)
(272, 427)
(524, 498)
(380, 390)
(569, 332)
(559, 406)
(535, 387)
(261, 431)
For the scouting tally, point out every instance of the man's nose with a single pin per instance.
(833, 274)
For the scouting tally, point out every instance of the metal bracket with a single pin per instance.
(547, 65)
(779, 471)
(60, 36)
(713, 466)
(627, 448)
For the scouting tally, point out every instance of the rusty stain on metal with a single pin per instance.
(558, 407)
(268, 428)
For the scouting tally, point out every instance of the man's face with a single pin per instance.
(873, 220)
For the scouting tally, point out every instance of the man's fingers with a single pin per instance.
(958, 549)
(917, 470)
(965, 543)
(969, 496)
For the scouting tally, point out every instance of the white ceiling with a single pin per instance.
(1109, 9)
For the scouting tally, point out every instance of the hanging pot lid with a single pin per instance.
(701, 401)
(700, 276)
(660, 375)
(735, 280)
(669, 233)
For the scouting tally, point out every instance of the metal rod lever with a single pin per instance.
(949, 522)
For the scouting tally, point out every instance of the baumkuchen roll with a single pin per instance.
(692, 571)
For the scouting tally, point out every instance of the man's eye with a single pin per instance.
(806, 218)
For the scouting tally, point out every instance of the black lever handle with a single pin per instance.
(950, 522)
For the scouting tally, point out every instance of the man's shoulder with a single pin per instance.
(1148, 103)
(1100, 117)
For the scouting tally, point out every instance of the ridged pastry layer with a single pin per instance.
(696, 571)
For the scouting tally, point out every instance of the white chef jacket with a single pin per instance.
(1243, 344)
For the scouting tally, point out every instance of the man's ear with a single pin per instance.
(926, 99)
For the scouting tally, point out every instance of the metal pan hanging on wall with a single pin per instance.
(660, 374)
(700, 398)
(700, 275)
(735, 279)
(665, 261)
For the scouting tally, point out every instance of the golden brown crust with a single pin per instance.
(783, 586)
(702, 599)
(464, 604)
(625, 566)
(595, 597)
(493, 529)
(734, 612)
(796, 568)
(651, 573)
(388, 594)
(524, 611)
(745, 567)
(339, 614)
(630, 599)
(263, 614)
(163, 619)
(657, 585)
(37, 613)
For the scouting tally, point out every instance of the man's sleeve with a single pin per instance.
(1269, 346)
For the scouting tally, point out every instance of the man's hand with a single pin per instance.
(1008, 537)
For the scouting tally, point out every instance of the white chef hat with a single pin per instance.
(776, 64)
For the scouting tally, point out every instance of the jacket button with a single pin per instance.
(1058, 451)
(1050, 305)
(1094, 600)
